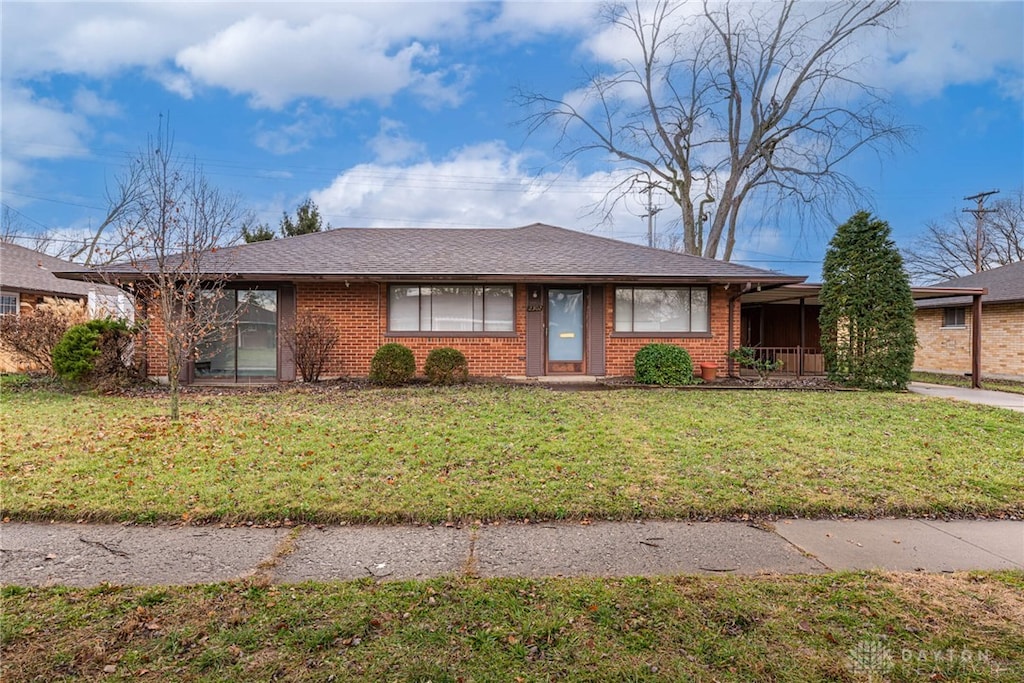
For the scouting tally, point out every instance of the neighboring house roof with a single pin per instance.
(1004, 284)
(32, 272)
(535, 251)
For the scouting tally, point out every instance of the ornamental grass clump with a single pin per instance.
(663, 364)
(392, 364)
(446, 366)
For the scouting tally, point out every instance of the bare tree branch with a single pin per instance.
(732, 102)
(946, 249)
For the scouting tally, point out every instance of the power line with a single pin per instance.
(25, 216)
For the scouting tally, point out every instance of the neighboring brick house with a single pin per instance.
(27, 277)
(530, 301)
(944, 326)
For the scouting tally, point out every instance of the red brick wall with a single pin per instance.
(360, 313)
(620, 350)
(156, 353)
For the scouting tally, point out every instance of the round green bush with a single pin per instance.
(76, 355)
(393, 364)
(446, 366)
(663, 364)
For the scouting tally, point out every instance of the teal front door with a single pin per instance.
(565, 344)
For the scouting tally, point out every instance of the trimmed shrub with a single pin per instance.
(446, 366)
(663, 364)
(392, 364)
(92, 351)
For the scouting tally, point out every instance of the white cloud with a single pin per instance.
(951, 43)
(88, 103)
(483, 185)
(391, 145)
(34, 129)
(337, 58)
(273, 53)
(295, 136)
(521, 20)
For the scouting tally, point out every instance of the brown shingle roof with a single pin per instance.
(25, 270)
(534, 251)
(1005, 285)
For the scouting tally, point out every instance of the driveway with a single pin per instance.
(1000, 399)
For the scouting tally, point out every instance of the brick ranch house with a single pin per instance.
(530, 301)
(27, 277)
(945, 326)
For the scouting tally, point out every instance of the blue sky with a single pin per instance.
(401, 114)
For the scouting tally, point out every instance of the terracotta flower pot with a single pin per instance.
(708, 371)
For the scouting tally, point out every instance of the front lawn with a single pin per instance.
(839, 627)
(487, 452)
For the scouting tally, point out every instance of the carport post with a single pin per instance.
(976, 342)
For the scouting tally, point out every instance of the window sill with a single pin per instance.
(953, 327)
(661, 335)
(450, 335)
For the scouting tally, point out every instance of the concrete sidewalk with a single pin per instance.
(1000, 399)
(87, 555)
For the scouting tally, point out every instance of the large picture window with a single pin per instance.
(451, 308)
(662, 309)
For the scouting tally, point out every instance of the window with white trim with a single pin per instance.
(9, 304)
(451, 308)
(662, 309)
(954, 317)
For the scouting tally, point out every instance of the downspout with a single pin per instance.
(380, 322)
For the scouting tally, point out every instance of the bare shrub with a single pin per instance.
(311, 341)
(32, 336)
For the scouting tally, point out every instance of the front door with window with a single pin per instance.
(565, 344)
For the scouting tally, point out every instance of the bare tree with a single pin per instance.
(171, 224)
(947, 248)
(727, 105)
(101, 246)
(14, 231)
(130, 188)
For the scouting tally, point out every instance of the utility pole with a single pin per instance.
(979, 221)
(651, 211)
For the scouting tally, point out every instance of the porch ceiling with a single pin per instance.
(809, 292)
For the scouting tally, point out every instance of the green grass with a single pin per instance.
(963, 627)
(961, 381)
(492, 452)
(14, 381)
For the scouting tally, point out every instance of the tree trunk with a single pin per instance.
(172, 377)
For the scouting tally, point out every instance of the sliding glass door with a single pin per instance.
(243, 348)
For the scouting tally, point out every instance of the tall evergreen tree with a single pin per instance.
(867, 316)
(261, 233)
(307, 220)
